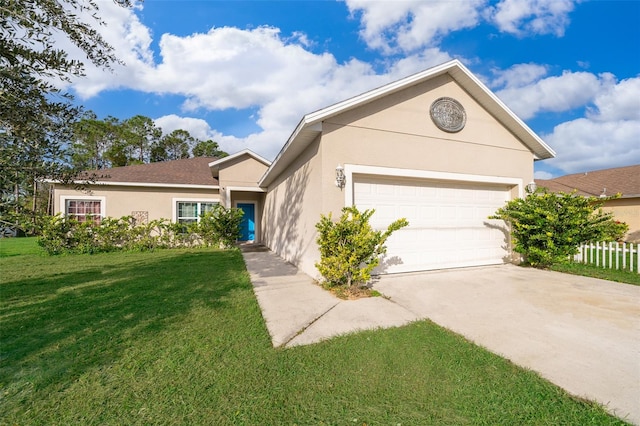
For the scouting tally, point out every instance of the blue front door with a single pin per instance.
(248, 224)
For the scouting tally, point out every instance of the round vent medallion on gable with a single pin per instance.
(448, 114)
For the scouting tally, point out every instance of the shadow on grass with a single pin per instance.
(58, 325)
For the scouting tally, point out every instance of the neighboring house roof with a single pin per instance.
(619, 180)
(184, 172)
(311, 124)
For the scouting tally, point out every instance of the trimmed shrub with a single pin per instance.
(56, 234)
(350, 248)
(614, 230)
(220, 226)
(547, 228)
(61, 234)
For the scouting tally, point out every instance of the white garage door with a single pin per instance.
(448, 225)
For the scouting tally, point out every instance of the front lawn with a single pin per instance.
(176, 337)
(586, 270)
(19, 246)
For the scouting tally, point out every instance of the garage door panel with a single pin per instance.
(448, 225)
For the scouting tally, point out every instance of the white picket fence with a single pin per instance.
(610, 255)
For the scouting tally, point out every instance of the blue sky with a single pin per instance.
(244, 72)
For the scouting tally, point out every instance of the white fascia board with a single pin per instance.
(380, 92)
(303, 125)
(246, 188)
(144, 185)
(238, 154)
(356, 169)
(508, 110)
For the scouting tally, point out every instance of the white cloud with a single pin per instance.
(618, 102)
(131, 41)
(542, 175)
(584, 144)
(197, 127)
(412, 25)
(609, 135)
(201, 129)
(524, 17)
(557, 93)
(291, 98)
(230, 68)
(418, 62)
(518, 75)
(279, 77)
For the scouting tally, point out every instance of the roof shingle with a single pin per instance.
(622, 180)
(188, 171)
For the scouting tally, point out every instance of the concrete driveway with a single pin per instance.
(580, 333)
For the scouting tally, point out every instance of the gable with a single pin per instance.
(311, 124)
(407, 112)
(242, 169)
(243, 166)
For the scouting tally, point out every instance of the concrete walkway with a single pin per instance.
(299, 312)
(582, 334)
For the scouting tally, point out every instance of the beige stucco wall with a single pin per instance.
(398, 132)
(241, 172)
(123, 200)
(393, 132)
(627, 210)
(292, 208)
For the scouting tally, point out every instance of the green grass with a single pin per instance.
(177, 337)
(19, 246)
(616, 259)
(586, 270)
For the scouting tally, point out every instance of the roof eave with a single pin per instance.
(501, 111)
(306, 128)
(139, 184)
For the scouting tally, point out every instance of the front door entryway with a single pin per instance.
(248, 224)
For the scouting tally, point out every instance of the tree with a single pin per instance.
(174, 146)
(208, 148)
(140, 134)
(35, 116)
(99, 144)
(27, 38)
(92, 140)
(547, 227)
(30, 148)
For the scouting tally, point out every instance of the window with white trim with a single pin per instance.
(84, 210)
(191, 211)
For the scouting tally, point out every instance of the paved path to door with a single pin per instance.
(582, 334)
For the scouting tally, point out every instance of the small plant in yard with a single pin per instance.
(62, 234)
(548, 227)
(220, 226)
(350, 248)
